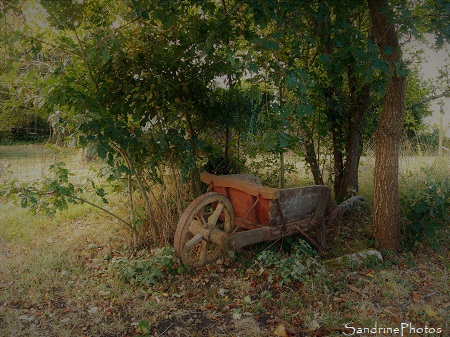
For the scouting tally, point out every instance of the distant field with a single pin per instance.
(31, 162)
(27, 163)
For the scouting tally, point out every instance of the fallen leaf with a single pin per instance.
(314, 325)
(280, 331)
(431, 312)
(353, 288)
(26, 318)
(222, 292)
(416, 297)
(93, 310)
(237, 315)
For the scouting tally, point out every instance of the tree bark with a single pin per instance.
(331, 92)
(360, 103)
(337, 154)
(310, 155)
(386, 213)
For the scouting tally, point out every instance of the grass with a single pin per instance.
(56, 279)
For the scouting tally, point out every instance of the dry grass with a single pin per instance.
(55, 280)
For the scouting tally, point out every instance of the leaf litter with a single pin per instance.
(79, 295)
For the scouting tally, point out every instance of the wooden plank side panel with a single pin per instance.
(242, 203)
(298, 203)
(240, 184)
(221, 190)
(264, 209)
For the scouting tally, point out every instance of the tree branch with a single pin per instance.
(83, 55)
(106, 211)
(445, 93)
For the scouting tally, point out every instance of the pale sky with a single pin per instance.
(434, 60)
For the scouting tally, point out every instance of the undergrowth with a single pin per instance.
(288, 268)
(425, 205)
(147, 267)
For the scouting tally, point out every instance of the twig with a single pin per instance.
(422, 298)
(82, 200)
(106, 211)
(431, 294)
(162, 333)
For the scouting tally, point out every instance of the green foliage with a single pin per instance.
(144, 327)
(426, 206)
(54, 193)
(148, 268)
(296, 267)
(267, 167)
(416, 90)
(426, 142)
(155, 85)
(25, 65)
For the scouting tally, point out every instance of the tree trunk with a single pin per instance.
(310, 155)
(360, 104)
(337, 155)
(331, 92)
(386, 213)
(195, 174)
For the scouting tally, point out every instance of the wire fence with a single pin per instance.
(29, 163)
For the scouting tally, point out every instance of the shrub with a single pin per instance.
(426, 207)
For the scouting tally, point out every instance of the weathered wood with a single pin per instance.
(206, 227)
(202, 229)
(240, 184)
(214, 235)
(299, 202)
(319, 217)
(193, 242)
(246, 238)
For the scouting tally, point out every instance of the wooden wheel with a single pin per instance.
(211, 211)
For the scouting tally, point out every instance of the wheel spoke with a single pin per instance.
(212, 219)
(203, 253)
(192, 242)
(200, 218)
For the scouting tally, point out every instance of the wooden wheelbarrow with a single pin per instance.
(235, 213)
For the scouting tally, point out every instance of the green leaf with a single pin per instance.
(102, 151)
(416, 226)
(272, 45)
(421, 207)
(282, 139)
(105, 55)
(389, 50)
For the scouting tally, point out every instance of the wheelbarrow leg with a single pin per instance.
(321, 235)
(319, 217)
